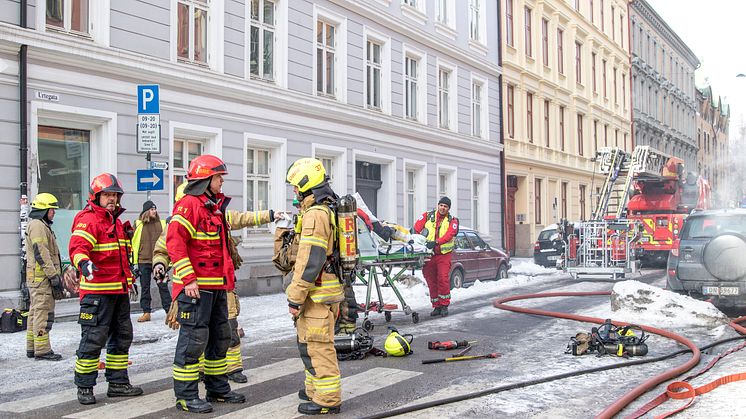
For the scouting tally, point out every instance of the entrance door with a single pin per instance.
(64, 171)
(368, 182)
(512, 188)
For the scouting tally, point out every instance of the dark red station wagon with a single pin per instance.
(474, 259)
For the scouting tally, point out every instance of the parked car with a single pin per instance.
(548, 248)
(708, 261)
(474, 259)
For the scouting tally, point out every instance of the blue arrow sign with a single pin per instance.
(150, 180)
(148, 99)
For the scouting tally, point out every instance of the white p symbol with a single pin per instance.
(147, 96)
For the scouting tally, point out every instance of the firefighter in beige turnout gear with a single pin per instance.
(43, 277)
(315, 291)
(236, 221)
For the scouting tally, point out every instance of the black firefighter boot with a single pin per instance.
(229, 397)
(123, 390)
(237, 377)
(303, 395)
(49, 356)
(194, 405)
(312, 408)
(85, 395)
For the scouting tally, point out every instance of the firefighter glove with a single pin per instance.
(159, 272)
(134, 292)
(135, 271)
(430, 244)
(172, 315)
(58, 292)
(86, 268)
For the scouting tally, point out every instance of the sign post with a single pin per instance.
(148, 126)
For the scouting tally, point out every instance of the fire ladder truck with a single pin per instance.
(604, 247)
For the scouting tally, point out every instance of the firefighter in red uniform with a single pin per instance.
(197, 243)
(98, 247)
(441, 229)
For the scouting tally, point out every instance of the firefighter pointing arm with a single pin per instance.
(315, 291)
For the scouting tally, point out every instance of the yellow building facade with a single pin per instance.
(566, 93)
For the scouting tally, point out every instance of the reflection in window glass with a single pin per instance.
(79, 18)
(56, 13)
(64, 159)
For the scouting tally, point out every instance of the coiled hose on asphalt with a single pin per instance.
(617, 405)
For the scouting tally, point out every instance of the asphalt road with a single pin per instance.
(530, 347)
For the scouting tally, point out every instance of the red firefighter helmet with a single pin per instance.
(206, 165)
(105, 182)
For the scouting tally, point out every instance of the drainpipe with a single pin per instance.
(503, 178)
(23, 143)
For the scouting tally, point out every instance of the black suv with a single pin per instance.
(710, 260)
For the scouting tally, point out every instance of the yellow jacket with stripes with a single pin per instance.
(311, 278)
(42, 253)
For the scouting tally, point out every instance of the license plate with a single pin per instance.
(720, 290)
(552, 257)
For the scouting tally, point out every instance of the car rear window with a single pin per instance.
(708, 226)
(547, 234)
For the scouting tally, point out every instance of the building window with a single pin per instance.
(613, 29)
(621, 30)
(616, 138)
(444, 78)
(537, 201)
(616, 89)
(580, 134)
(509, 22)
(581, 191)
(560, 52)
(477, 125)
(590, 6)
(603, 22)
(475, 204)
(577, 5)
(373, 75)
(545, 41)
(441, 11)
(578, 62)
(257, 179)
(603, 77)
(64, 161)
(527, 33)
(475, 20)
(626, 146)
(325, 58)
(68, 15)
(511, 111)
(411, 197)
(328, 163)
(184, 152)
(593, 71)
(624, 91)
(546, 122)
(262, 39)
(563, 197)
(530, 117)
(410, 87)
(606, 135)
(412, 3)
(192, 37)
(595, 138)
(562, 127)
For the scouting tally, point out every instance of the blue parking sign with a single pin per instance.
(148, 99)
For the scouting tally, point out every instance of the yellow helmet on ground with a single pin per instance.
(180, 191)
(306, 174)
(397, 344)
(45, 201)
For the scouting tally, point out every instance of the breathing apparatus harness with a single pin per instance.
(355, 346)
(610, 339)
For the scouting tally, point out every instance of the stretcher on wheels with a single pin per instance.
(389, 260)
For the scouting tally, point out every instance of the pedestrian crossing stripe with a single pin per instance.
(352, 386)
(165, 399)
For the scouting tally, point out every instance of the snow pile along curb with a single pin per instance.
(637, 302)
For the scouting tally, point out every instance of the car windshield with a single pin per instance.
(547, 234)
(709, 226)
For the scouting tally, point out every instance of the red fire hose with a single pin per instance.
(630, 396)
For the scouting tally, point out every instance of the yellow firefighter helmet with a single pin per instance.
(45, 201)
(306, 174)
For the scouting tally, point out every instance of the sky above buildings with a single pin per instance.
(714, 30)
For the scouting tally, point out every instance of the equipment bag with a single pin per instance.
(13, 321)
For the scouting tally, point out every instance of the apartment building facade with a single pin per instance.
(566, 93)
(398, 98)
(665, 103)
(714, 161)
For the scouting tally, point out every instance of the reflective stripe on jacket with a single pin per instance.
(137, 237)
(98, 236)
(316, 245)
(446, 230)
(42, 252)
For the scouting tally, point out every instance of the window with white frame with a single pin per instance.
(325, 58)
(447, 185)
(479, 114)
(69, 16)
(477, 21)
(334, 160)
(444, 100)
(185, 150)
(262, 26)
(442, 12)
(328, 163)
(475, 204)
(411, 197)
(480, 202)
(443, 182)
(192, 31)
(257, 178)
(373, 75)
(415, 85)
(415, 190)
